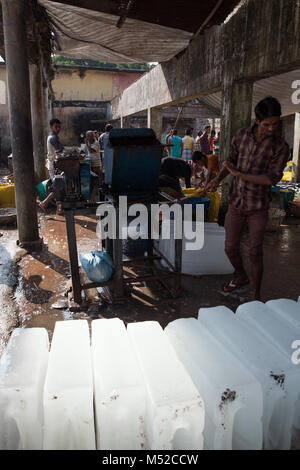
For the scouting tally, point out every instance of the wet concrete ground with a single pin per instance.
(30, 287)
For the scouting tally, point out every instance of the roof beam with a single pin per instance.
(245, 49)
(125, 8)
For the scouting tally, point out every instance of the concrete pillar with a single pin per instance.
(296, 150)
(38, 121)
(46, 111)
(235, 113)
(125, 122)
(154, 121)
(15, 40)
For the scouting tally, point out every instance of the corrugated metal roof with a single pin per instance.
(153, 31)
(279, 86)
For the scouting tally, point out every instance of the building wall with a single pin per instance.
(86, 85)
(90, 85)
(79, 120)
(95, 87)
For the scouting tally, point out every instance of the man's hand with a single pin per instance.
(212, 186)
(231, 168)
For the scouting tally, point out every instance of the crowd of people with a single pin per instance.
(92, 147)
(93, 144)
(189, 158)
(200, 153)
(256, 161)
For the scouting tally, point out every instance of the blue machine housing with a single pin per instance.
(132, 161)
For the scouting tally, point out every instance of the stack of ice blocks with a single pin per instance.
(232, 395)
(68, 392)
(266, 363)
(222, 381)
(23, 368)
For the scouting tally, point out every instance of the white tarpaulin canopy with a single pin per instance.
(83, 33)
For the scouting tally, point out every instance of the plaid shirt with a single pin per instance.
(267, 157)
(204, 144)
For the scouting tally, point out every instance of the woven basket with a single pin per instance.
(294, 208)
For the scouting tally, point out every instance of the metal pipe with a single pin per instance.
(199, 30)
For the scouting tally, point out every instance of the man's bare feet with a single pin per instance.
(235, 284)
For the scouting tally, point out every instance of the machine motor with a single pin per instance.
(72, 183)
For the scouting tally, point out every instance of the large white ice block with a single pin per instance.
(210, 259)
(267, 364)
(22, 375)
(272, 324)
(232, 395)
(279, 331)
(68, 394)
(175, 409)
(287, 309)
(120, 394)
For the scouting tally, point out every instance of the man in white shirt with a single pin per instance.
(54, 148)
(104, 140)
(92, 150)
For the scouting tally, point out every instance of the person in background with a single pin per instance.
(199, 167)
(174, 169)
(103, 141)
(168, 136)
(211, 141)
(170, 133)
(176, 145)
(213, 165)
(217, 139)
(204, 143)
(97, 135)
(257, 158)
(217, 145)
(54, 148)
(92, 150)
(197, 142)
(188, 144)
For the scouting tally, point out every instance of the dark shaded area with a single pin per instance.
(33, 293)
(55, 262)
(101, 106)
(89, 120)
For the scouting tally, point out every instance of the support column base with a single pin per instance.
(36, 245)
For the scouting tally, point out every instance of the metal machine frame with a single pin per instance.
(116, 286)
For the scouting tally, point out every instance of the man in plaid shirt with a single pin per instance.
(257, 158)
